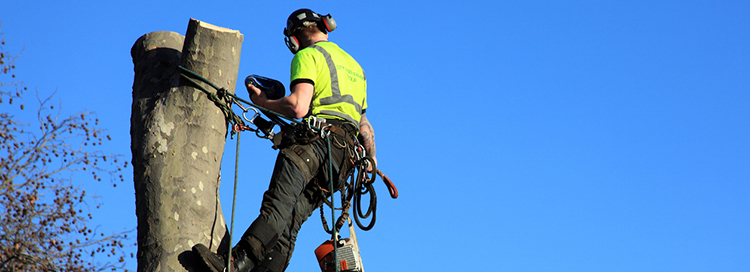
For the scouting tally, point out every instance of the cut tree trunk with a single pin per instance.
(177, 142)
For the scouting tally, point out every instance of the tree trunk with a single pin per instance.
(178, 138)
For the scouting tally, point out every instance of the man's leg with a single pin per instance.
(309, 199)
(286, 186)
(258, 240)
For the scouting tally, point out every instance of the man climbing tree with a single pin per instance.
(328, 90)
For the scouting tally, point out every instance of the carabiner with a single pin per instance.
(244, 111)
(257, 113)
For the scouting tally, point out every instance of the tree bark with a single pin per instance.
(177, 142)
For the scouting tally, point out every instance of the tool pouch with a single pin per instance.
(294, 142)
(293, 134)
(304, 157)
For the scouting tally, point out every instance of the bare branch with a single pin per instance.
(43, 223)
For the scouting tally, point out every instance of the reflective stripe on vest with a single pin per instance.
(336, 93)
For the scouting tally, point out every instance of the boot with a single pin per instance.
(209, 260)
(217, 263)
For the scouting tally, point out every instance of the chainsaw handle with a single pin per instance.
(391, 188)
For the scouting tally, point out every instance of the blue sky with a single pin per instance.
(522, 135)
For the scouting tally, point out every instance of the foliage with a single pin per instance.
(44, 212)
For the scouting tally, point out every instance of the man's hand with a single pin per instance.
(256, 95)
(296, 105)
(369, 167)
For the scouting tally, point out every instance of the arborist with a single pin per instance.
(329, 90)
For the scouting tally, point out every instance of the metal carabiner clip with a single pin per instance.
(315, 122)
(244, 111)
(257, 113)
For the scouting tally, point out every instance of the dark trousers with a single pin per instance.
(292, 197)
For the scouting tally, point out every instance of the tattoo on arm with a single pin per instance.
(367, 136)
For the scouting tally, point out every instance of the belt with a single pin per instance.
(320, 123)
(339, 127)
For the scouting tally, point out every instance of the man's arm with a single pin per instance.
(367, 138)
(296, 105)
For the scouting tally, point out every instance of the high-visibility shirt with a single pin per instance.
(339, 81)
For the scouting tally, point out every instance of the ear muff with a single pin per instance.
(329, 22)
(325, 23)
(292, 43)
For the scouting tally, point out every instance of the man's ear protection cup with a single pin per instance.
(325, 23)
(329, 22)
(292, 43)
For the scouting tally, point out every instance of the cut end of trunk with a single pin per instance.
(213, 27)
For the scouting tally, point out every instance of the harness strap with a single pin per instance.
(304, 157)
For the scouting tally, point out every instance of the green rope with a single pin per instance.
(333, 199)
(187, 74)
(234, 200)
(230, 118)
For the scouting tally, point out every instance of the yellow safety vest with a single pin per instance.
(339, 81)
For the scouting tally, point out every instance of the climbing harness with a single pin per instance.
(353, 179)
